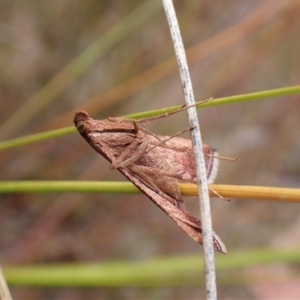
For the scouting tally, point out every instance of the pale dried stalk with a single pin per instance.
(210, 277)
(239, 192)
(4, 291)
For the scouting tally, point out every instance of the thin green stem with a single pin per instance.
(67, 187)
(293, 90)
(38, 137)
(171, 271)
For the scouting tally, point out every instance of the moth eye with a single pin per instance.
(80, 121)
(82, 127)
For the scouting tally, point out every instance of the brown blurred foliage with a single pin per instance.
(234, 47)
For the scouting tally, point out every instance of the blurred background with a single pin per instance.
(113, 58)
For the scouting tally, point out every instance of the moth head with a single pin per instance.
(80, 121)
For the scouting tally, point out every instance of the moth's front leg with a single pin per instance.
(130, 154)
(136, 148)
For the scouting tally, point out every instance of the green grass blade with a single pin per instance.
(67, 187)
(172, 271)
(220, 101)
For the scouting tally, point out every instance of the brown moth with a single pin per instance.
(154, 164)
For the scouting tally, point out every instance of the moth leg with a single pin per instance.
(134, 151)
(162, 142)
(168, 114)
(164, 115)
(130, 155)
(219, 195)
